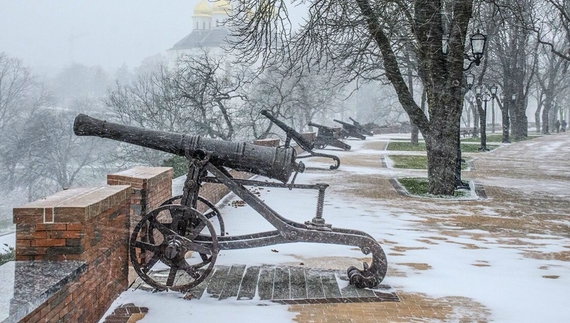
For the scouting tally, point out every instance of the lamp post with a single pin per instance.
(460, 184)
(477, 42)
(493, 89)
(485, 97)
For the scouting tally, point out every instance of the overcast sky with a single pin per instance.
(50, 34)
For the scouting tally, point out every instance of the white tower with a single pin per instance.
(202, 18)
(221, 10)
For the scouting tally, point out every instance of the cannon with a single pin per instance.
(327, 136)
(361, 128)
(350, 130)
(300, 140)
(175, 246)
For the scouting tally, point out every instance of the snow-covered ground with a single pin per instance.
(489, 268)
(514, 276)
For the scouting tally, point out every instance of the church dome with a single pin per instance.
(202, 9)
(222, 7)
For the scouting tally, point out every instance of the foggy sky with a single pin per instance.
(50, 34)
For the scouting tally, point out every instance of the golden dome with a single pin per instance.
(202, 9)
(222, 7)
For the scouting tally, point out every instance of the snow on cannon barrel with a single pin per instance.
(277, 163)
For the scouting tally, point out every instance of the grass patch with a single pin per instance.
(497, 138)
(179, 165)
(407, 146)
(468, 148)
(419, 186)
(413, 162)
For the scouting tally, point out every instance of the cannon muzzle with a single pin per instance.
(292, 133)
(276, 163)
(316, 125)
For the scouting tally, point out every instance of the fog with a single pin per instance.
(51, 34)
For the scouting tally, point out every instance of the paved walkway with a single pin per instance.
(528, 189)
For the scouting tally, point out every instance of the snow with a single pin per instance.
(7, 240)
(489, 268)
(492, 271)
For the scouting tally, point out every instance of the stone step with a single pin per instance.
(285, 285)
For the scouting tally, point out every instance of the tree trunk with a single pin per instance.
(545, 117)
(506, 123)
(442, 160)
(537, 118)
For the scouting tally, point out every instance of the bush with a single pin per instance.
(6, 257)
(179, 164)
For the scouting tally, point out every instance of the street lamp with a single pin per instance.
(477, 42)
(483, 96)
(469, 80)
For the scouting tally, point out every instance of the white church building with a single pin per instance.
(208, 31)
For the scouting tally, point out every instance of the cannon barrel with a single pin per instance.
(344, 123)
(276, 163)
(312, 124)
(350, 130)
(361, 128)
(304, 143)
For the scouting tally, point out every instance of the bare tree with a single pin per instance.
(361, 38)
(19, 91)
(550, 22)
(199, 97)
(551, 78)
(45, 156)
(20, 95)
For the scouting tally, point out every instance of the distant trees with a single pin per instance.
(294, 97)
(40, 154)
(20, 96)
(46, 156)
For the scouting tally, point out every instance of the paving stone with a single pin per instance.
(198, 291)
(347, 291)
(249, 283)
(219, 277)
(298, 283)
(265, 283)
(314, 285)
(233, 282)
(281, 284)
(330, 285)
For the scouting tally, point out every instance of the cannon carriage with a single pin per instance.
(328, 136)
(353, 130)
(175, 246)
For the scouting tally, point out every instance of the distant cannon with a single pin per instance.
(361, 128)
(328, 136)
(350, 130)
(175, 246)
(298, 138)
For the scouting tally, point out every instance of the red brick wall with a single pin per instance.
(86, 224)
(92, 225)
(150, 187)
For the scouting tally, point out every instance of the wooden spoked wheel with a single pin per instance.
(173, 247)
